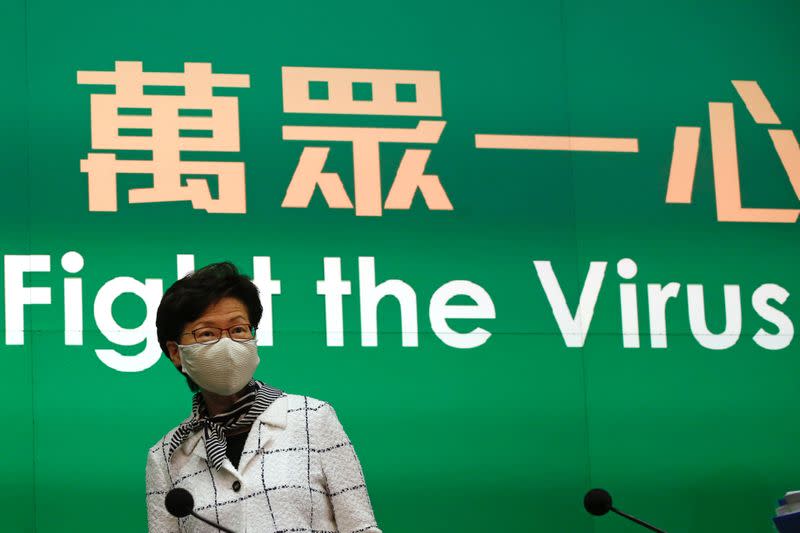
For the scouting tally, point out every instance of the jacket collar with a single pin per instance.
(273, 419)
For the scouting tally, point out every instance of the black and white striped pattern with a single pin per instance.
(257, 398)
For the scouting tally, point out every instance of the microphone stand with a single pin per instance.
(640, 522)
(212, 524)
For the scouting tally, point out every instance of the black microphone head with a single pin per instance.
(597, 502)
(179, 502)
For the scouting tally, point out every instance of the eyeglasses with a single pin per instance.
(209, 335)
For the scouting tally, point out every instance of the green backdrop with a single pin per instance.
(506, 436)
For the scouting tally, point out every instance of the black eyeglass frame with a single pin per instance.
(193, 333)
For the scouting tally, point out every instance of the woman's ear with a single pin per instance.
(174, 356)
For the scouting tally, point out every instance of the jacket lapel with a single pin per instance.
(265, 427)
(194, 445)
(271, 422)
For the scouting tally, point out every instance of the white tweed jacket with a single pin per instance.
(298, 472)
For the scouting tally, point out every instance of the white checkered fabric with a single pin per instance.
(298, 472)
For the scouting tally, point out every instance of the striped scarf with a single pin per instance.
(257, 397)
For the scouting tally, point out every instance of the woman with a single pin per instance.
(253, 457)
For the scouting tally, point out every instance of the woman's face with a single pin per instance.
(223, 314)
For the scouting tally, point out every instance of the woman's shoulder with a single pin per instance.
(299, 402)
(160, 447)
(314, 413)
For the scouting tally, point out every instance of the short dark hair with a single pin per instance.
(188, 298)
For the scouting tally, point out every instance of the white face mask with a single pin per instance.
(224, 367)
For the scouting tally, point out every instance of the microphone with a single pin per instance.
(598, 503)
(179, 502)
